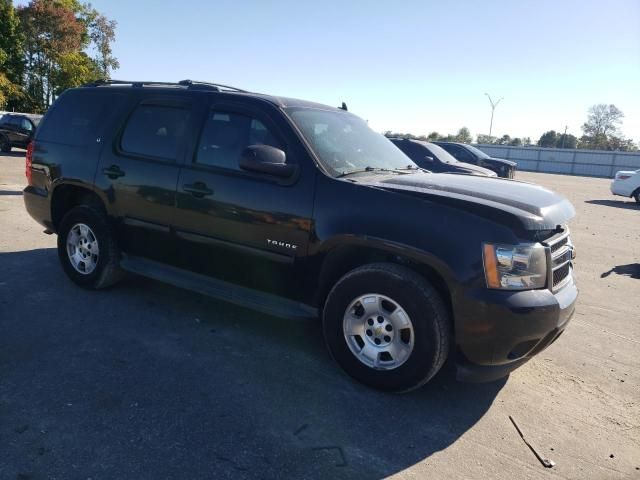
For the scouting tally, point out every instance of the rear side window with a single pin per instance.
(155, 131)
(226, 135)
(76, 117)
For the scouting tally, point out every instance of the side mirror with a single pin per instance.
(429, 159)
(266, 159)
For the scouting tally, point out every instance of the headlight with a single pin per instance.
(515, 267)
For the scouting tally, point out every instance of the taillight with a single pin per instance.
(29, 163)
(623, 177)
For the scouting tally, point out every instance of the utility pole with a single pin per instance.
(564, 136)
(493, 108)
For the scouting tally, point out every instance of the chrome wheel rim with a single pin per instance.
(378, 331)
(82, 249)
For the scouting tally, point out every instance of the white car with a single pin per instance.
(627, 184)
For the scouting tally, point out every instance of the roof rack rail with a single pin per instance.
(190, 84)
(219, 86)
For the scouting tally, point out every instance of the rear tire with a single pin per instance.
(636, 196)
(355, 329)
(87, 248)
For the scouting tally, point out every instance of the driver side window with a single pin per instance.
(226, 134)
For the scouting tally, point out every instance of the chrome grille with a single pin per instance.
(560, 257)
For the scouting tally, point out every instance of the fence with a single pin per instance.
(591, 163)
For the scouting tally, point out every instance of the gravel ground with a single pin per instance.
(149, 381)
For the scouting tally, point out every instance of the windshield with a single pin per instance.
(441, 154)
(344, 142)
(479, 153)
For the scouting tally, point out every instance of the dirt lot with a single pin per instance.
(148, 381)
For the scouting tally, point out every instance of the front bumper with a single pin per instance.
(498, 331)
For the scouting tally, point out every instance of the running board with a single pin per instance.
(219, 289)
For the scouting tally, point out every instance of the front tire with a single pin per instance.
(387, 327)
(87, 248)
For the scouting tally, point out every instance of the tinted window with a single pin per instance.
(26, 125)
(225, 135)
(76, 117)
(16, 121)
(155, 131)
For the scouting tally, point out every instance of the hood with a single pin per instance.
(501, 161)
(469, 168)
(533, 206)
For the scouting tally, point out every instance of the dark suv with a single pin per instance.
(16, 130)
(470, 154)
(435, 159)
(299, 209)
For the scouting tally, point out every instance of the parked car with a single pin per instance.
(435, 159)
(626, 183)
(17, 129)
(470, 154)
(299, 209)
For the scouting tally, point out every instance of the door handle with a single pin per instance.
(197, 189)
(113, 172)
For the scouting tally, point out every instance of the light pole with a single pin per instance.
(493, 107)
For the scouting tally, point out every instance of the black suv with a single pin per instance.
(470, 154)
(16, 130)
(299, 209)
(435, 159)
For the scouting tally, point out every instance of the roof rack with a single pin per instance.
(189, 84)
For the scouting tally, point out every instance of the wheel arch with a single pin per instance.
(344, 257)
(65, 196)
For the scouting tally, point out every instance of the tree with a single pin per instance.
(11, 56)
(603, 120)
(515, 142)
(51, 31)
(504, 140)
(548, 139)
(485, 139)
(433, 137)
(103, 34)
(566, 140)
(72, 70)
(464, 136)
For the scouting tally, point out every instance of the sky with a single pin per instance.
(409, 66)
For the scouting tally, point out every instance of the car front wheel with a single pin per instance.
(387, 327)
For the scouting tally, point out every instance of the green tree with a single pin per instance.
(464, 136)
(103, 34)
(566, 140)
(485, 139)
(433, 136)
(11, 56)
(72, 70)
(504, 140)
(548, 139)
(515, 142)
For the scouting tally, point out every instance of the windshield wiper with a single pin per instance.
(362, 170)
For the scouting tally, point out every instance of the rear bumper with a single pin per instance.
(36, 201)
(497, 331)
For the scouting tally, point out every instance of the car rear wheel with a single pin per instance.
(87, 248)
(387, 327)
(636, 196)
